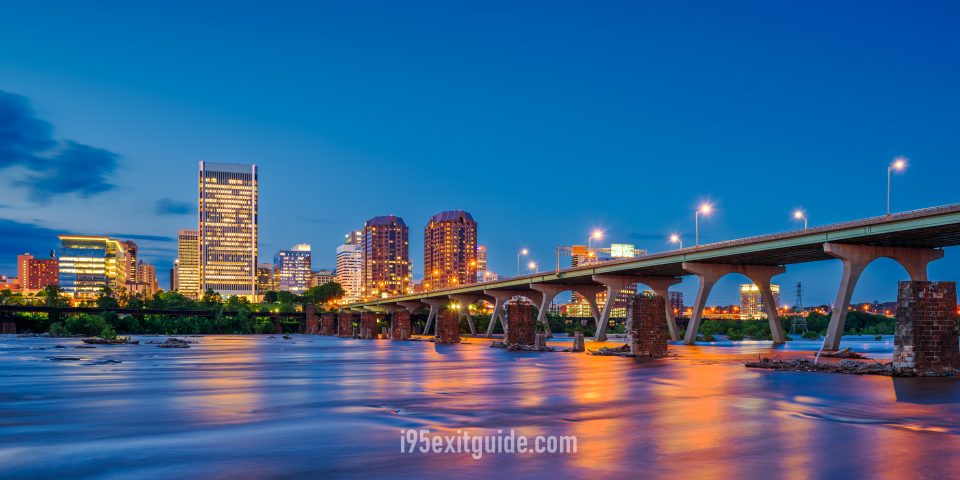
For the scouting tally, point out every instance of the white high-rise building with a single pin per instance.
(228, 229)
(349, 271)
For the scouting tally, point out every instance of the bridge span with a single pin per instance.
(913, 239)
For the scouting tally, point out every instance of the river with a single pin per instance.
(319, 407)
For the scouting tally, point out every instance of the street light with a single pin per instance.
(705, 208)
(801, 215)
(898, 164)
(676, 239)
(595, 235)
(533, 266)
(523, 251)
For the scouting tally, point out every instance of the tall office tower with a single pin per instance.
(228, 229)
(174, 273)
(292, 268)
(349, 271)
(34, 274)
(188, 263)
(265, 279)
(133, 258)
(449, 250)
(385, 254)
(90, 263)
(482, 274)
(145, 281)
(751, 301)
(353, 238)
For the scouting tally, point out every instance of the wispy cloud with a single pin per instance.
(57, 167)
(166, 206)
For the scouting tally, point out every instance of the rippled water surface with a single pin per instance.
(320, 407)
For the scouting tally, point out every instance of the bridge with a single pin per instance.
(913, 239)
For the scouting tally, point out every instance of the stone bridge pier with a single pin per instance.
(501, 297)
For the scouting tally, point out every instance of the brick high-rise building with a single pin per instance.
(385, 257)
(449, 250)
(34, 274)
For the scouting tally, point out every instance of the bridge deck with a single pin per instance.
(935, 227)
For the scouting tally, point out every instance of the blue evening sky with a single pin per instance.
(544, 120)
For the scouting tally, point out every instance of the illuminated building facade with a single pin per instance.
(90, 263)
(385, 263)
(292, 268)
(321, 277)
(349, 271)
(228, 228)
(482, 274)
(188, 263)
(35, 274)
(450, 250)
(145, 280)
(266, 281)
(751, 301)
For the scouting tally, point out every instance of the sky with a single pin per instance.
(544, 120)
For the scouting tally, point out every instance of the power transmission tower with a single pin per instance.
(799, 323)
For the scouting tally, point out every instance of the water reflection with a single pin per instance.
(325, 407)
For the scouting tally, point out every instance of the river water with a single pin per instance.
(319, 407)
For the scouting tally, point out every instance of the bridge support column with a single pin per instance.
(710, 273)
(855, 260)
(590, 292)
(435, 306)
(613, 284)
(548, 292)
(466, 301)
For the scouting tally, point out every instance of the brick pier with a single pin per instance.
(521, 324)
(401, 325)
(647, 335)
(311, 326)
(368, 325)
(926, 331)
(448, 326)
(328, 324)
(345, 327)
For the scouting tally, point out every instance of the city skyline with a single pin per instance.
(781, 135)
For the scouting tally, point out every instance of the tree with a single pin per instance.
(323, 293)
(52, 296)
(105, 299)
(270, 297)
(210, 297)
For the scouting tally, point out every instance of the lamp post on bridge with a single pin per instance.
(522, 251)
(596, 234)
(676, 239)
(898, 164)
(801, 215)
(705, 208)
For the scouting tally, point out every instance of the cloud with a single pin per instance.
(17, 238)
(148, 238)
(57, 167)
(166, 206)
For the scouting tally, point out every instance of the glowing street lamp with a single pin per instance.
(801, 215)
(898, 164)
(522, 251)
(676, 239)
(705, 209)
(533, 267)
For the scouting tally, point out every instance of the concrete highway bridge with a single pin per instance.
(913, 239)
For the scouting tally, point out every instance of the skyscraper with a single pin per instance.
(385, 257)
(228, 228)
(349, 270)
(292, 268)
(265, 280)
(449, 250)
(90, 263)
(751, 301)
(188, 263)
(482, 274)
